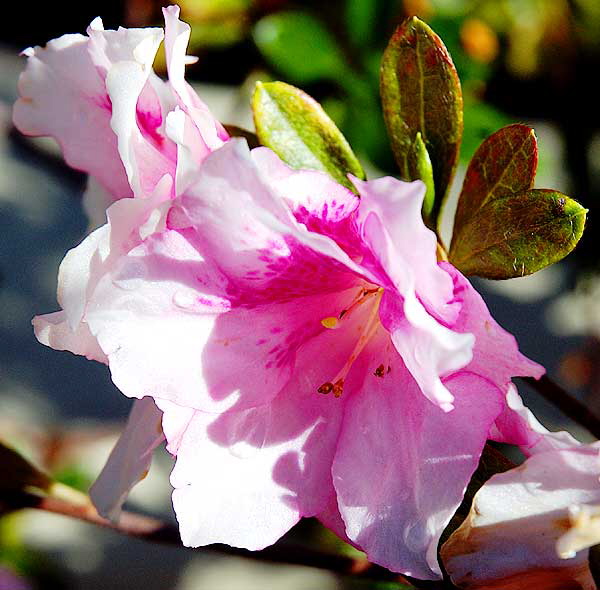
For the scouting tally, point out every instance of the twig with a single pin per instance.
(569, 405)
(156, 531)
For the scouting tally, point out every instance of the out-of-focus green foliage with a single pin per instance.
(216, 23)
(298, 44)
(357, 49)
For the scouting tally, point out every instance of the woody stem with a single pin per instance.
(566, 403)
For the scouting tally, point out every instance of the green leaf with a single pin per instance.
(421, 93)
(504, 164)
(421, 163)
(297, 45)
(480, 120)
(298, 130)
(518, 234)
(360, 17)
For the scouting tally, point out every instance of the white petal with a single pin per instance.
(129, 460)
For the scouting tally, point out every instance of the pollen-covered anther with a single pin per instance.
(331, 323)
(338, 388)
(326, 388)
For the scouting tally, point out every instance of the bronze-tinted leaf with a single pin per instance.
(299, 131)
(518, 234)
(420, 91)
(505, 163)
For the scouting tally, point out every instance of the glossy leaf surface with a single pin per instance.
(421, 93)
(299, 131)
(518, 234)
(505, 163)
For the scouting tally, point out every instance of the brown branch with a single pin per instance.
(566, 403)
(156, 531)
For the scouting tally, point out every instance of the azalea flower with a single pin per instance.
(298, 346)
(98, 97)
(531, 526)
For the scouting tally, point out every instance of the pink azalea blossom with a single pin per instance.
(531, 526)
(98, 97)
(299, 348)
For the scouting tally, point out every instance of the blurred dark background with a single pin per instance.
(529, 61)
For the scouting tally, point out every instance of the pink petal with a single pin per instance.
(144, 163)
(495, 354)
(248, 230)
(516, 520)
(244, 478)
(78, 268)
(168, 329)
(175, 421)
(402, 464)
(82, 91)
(429, 349)
(86, 264)
(53, 330)
(108, 47)
(125, 56)
(391, 223)
(518, 426)
(418, 303)
(316, 201)
(177, 35)
(224, 496)
(62, 95)
(191, 147)
(130, 459)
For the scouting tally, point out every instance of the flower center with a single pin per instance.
(336, 385)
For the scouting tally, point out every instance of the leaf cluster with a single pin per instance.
(503, 228)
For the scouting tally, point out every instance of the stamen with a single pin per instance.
(379, 371)
(337, 383)
(358, 300)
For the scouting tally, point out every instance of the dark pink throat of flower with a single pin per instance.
(370, 296)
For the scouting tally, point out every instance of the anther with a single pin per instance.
(326, 388)
(338, 388)
(330, 323)
(379, 371)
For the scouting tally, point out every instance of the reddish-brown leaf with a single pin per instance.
(421, 93)
(505, 163)
(518, 234)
